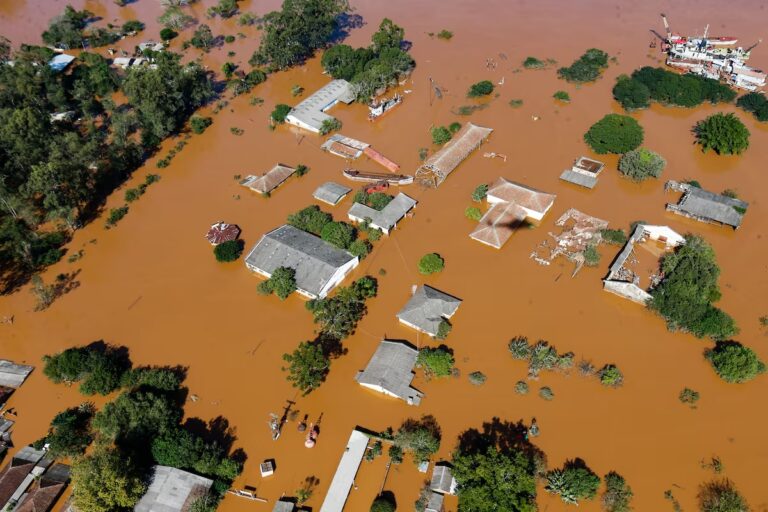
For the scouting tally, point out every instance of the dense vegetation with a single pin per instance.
(292, 34)
(641, 164)
(617, 495)
(431, 263)
(689, 287)
(372, 69)
(97, 367)
(669, 88)
(574, 482)
(420, 438)
(282, 283)
(614, 133)
(721, 496)
(725, 134)
(734, 362)
(138, 429)
(482, 88)
(228, 251)
(436, 362)
(586, 68)
(755, 103)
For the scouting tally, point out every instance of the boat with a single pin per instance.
(379, 108)
(374, 177)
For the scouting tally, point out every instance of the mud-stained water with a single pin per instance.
(152, 283)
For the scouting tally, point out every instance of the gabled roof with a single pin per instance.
(391, 369)
(522, 195)
(310, 111)
(268, 181)
(331, 193)
(577, 178)
(172, 490)
(46, 491)
(442, 479)
(715, 207)
(456, 150)
(498, 224)
(315, 260)
(13, 375)
(344, 477)
(427, 307)
(388, 216)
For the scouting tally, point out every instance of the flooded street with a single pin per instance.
(152, 283)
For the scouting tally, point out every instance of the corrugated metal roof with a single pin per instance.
(268, 181)
(345, 473)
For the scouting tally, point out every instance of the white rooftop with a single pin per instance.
(345, 473)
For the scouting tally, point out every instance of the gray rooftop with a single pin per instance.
(391, 370)
(435, 503)
(427, 307)
(578, 178)
(171, 489)
(315, 260)
(331, 193)
(13, 375)
(283, 506)
(29, 454)
(388, 216)
(442, 479)
(311, 110)
(715, 207)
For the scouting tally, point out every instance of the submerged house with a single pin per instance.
(344, 477)
(172, 490)
(347, 147)
(435, 503)
(442, 479)
(534, 203)
(390, 371)
(438, 166)
(702, 205)
(221, 232)
(387, 218)
(583, 173)
(310, 113)
(331, 193)
(283, 506)
(13, 375)
(60, 62)
(427, 309)
(319, 265)
(623, 279)
(268, 181)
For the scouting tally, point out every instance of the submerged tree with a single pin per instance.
(307, 366)
(614, 133)
(725, 134)
(734, 362)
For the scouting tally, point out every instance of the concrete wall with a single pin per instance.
(338, 277)
(627, 290)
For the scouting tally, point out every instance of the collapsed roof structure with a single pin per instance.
(221, 232)
(390, 371)
(438, 166)
(702, 205)
(579, 231)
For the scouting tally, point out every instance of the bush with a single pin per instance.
(420, 438)
(282, 283)
(440, 135)
(611, 376)
(562, 96)
(280, 112)
(689, 396)
(483, 88)
(617, 495)
(311, 219)
(755, 103)
(614, 236)
(339, 234)
(228, 251)
(479, 193)
(133, 194)
(445, 34)
(443, 329)
(203, 38)
(533, 63)
(641, 164)
(229, 39)
(591, 256)
(546, 393)
(382, 504)
(330, 125)
(360, 248)
(473, 213)
(166, 34)
(521, 387)
(477, 378)
(436, 362)
(454, 127)
(586, 68)
(115, 215)
(301, 170)
(614, 133)
(721, 496)
(631, 94)
(725, 134)
(574, 482)
(132, 26)
(199, 123)
(734, 362)
(431, 263)
(519, 348)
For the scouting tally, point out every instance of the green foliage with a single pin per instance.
(132, 26)
(360, 248)
(105, 481)
(330, 125)
(515, 103)
(443, 329)
(610, 376)
(562, 96)
(292, 34)
(374, 451)
(477, 378)
(614, 236)
(519, 347)
(631, 94)
(182, 449)
(301, 170)
(234, 130)
(734, 362)
(586, 68)
(307, 366)
(725, 134)
(669, 88)
(228, 251)
(533, 63)
(203, 38)
(420, 438)
(689, 396)
(166, 34)
(339, 234)
(431, 263)
(480, 192)
(492, 479)
(546, 393)
(483, 88)
(454, 127)
(689, 287)
(574, 482)
(338, 315)
(67, 28)
(98, 367)
(311, 219)
(440, 135)
(69, 434)
(200, 123)
(521, 387)
(175, 18)
(382, 504)
(756, 103)
(136, 416)
(228, 68)
(280, 112)
(591, 256)
(614, 133)
(445, 34)
(282, 283)
(395, 454)
(159, 378)
(617, 496)
(641, 164)
(225, 8)
(133, 194)
(116, 215)
(721, 496)
(473, 213)
(436, 362)
(229, 39)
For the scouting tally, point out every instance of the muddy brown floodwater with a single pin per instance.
(152, 283)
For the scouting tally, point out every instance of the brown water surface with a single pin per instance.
(152, 283)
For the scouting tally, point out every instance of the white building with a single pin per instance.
(310, 113)
(534, 203)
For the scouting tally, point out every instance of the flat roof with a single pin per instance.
(344, 477)
(311, 110)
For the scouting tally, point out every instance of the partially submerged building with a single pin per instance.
(344, 477)
(497, 225)
(442, 479)
(347, 147)
(427, 309)
(435, 503)
(283, 506)
(13, 375)
(60, 62)
(390, 371)
(331, 193)
(310, 113)
(623, 277)
(584, 172)
(438, 166)
(268, 181)
(578, 232)
(534, 203)
(319, 265)
(385, 219)
(702, 205)
(172, 490)
(45, 491)
(221, 232)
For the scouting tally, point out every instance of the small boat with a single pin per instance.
(374, 177)
(379, 108)
(724, 40)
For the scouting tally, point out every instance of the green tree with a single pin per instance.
(389, 35)
(67, 28)
(382, 504)
(440, 135)
(339, 234)
(228, 251)
(225, 8)
(614, 133)
(756, 103)
(725, 134)
(640, 164)
(105, 481)
(721, 496)
(199, 123)
(562, 96)
(311, 219)
(203, 38)
(480, 192)
(734, 362)
(586, 68)
(421, 438)
(431, 263)
(307, 366)
(280, 112)
(137, 416)
(631, 94)
(360, 248)
(483, 88)
(282, 283)
(437, 362)
(329, 125)
(99, 368)
(611, 376)
(69, 434)
(174, 18)
(617, 495)
(574, 482)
